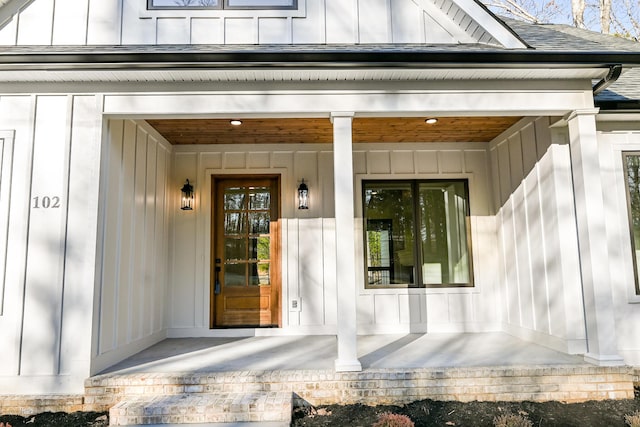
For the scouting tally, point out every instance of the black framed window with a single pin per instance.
(631, 162)
(416, 233)
(222, 4)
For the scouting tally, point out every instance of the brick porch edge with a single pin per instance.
(564, 383)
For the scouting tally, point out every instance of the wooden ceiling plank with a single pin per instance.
(319, 130)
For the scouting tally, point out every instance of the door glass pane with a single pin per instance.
(443, 211)
(388, 212)
(632, 169)
(259, 222)
(259, 274)
(234, 199)
(235, 274)
(259, 198)
(247, 216)
(235, 223)
(235, 249)
(259, 248)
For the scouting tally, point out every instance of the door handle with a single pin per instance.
(217, 287)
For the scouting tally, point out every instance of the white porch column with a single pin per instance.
(345, 242)
(592, 240)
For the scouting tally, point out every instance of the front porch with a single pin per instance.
(198, 380)
(202, 380)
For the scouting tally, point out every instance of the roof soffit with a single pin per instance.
(470, 21)
(9, 8)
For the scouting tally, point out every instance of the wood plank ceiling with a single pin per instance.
(320, 130)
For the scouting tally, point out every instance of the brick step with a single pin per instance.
(258, 408)
(566, 383)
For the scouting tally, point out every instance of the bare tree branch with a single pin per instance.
(512, 8)
(628, 25)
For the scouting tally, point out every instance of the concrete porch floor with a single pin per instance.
(200, 380)
(319, 352)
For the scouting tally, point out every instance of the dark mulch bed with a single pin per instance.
(58, 419)
(606, 413)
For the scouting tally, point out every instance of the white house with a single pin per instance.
(516, 209)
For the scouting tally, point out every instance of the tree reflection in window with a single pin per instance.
(416, 233)
(220, 4)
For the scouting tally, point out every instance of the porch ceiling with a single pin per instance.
(320, 130)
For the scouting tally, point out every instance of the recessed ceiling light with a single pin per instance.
(431, 121)
(235, 122)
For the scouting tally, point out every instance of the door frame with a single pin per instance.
(276, 238)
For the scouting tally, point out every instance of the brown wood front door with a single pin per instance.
(245, 263)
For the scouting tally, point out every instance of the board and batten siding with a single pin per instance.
(48, 214)
(539, 276)
(113, 22)
(308, 238)
(448, 309)
(135, 228)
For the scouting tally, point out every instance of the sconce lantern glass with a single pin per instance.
(303, 196)
(187, 197)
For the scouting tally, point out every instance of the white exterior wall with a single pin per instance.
(540, 272)
(48, 214)
(448, 309)
(132, 264)
(612, 143)
(112, 22)
(308, 238)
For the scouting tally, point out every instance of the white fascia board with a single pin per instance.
(490, 24)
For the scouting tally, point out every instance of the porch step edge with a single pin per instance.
(219, 409)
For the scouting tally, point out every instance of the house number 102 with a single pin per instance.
(46, 202)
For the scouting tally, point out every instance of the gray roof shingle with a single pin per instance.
(553, 39)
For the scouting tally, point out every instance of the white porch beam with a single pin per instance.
(592, 240)
(366, 103)
(345, 242)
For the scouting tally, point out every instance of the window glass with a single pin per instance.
(389, 233)
(632, 171)
(219, 4)
(443, 233)
(262, 4)
(417, 223)
(175, 4)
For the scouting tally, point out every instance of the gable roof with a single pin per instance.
(552, 51)
(414, 21)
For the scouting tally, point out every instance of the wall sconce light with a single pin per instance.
(187, 197)
(303, 196)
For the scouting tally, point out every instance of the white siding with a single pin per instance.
(112, 22)
(308, 237)
(133, 263)
(540, 275)
(432, 310)
(49, 215)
